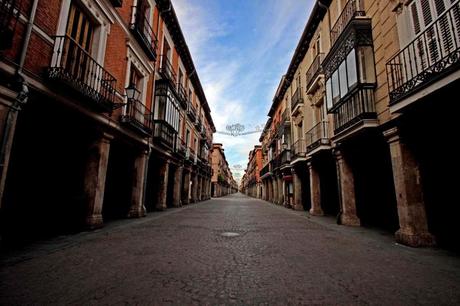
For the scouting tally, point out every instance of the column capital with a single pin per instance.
(338, 154)
(106, 137)
(392, 135)
(309, 164)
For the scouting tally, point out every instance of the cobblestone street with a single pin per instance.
(180, 257)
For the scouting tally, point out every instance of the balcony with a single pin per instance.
(432, 55)
(166, 70)
(266, 170)
(285, 157)
(203, 131)
(354, 109)
(73, 66)
(192, 156)
(181, 147)
(317, 137)
(299, 149)
(276, 162)
(182, 95)
(9, 15)
(164, 133)
(286, 119)
(352, 9)
(191, 112)
(314, 72)
(143, 32)
(117, 3)
(198, 124)
(297, 99)
(138, 117)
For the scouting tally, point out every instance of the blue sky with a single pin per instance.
(241, 48)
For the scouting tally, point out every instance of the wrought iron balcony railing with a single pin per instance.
(266, 169)
(299, 148)
(164, 133)
(166, 70)
(74, 66)
(352, 9)
(191, 112)
(285, 157)
(297, 97)
(181, 147)
(117, 3)
(317, 136)
(9, 15)
(138, 116)
(182, 95)
(314, 70)
(355, 107)
(143, 31)
(276, 162)
(431, 55)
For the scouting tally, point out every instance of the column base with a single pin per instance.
(317, 212)
(298, 207)
(94, 222)
(161, 207)
(137, 212)
(350, 220)
(415, 240)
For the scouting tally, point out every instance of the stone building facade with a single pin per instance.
(368, 90)
(251, 183)
(103, 115)
(222, 181)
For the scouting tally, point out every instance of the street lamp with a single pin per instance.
(132, 93)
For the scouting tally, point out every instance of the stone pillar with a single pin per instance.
(298, 200)
(194, 187)
(137, 209)
(347, 190)
(94, 185)
(315, 191)
(186, 188)
(413, 225)
(177, 190)
(280, 190)
(275, 190)
(163, 186)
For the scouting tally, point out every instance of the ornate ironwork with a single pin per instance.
(182, 95)
(317, 136)
(352, 9)
(142, 30)
(297, 98)
(75, 67)
(191, 111)
(166, 70)
(299, 148)
(315, 69)
(265, 170)
(164, 133)
(138, 116)
(355, 107)
(431, 55)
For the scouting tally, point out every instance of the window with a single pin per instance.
(329, 93)
(366, 65)
(343, 79)
(351, 68)
(335, 87)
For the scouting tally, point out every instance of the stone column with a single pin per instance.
(298, 200)
(137, 195)
(177, 190)
(347, 190)
(315, 191)
(94, 185)
(186, 188)
(413, 225)
(194, 187)
(163, 186)
(275, 190)
(280, 190)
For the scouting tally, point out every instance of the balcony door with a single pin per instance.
(79, 33)
(138, 106)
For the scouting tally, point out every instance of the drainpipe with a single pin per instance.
(21, 98)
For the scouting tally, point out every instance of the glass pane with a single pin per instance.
(351, 68)
(366, 65)
(343, 79)
(335, 86)
(329, 93)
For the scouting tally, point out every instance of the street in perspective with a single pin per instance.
(244, 152)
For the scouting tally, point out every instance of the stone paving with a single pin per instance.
(180, 257)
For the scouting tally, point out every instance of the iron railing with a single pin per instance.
(164, 133)
(191, 111)
(266, 169)
(166, 70)
(431, 55)
(143, 31)
(181, 146)
(297, 97)
(352, 9)
(9, 15)
(285, 157)
(315, 69)
(74, 66)
(316, 136)
(356, 106)
(138, 116)
(182, 95)
(299, 148)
